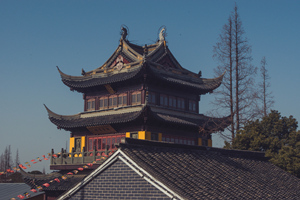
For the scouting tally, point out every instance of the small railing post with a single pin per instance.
(61, 155)
(82, 155)
(106, 150)
(72, 155)
(94, 153)
(52, 152)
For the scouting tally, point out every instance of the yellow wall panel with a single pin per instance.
(128, 134)
(82, 142)
(159, 136)
(209, 142)
(71, 144)
(142, 135)
(200, 141)
(148, 135)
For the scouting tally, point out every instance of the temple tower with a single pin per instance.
(139, 92)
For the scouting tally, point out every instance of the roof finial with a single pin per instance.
(124, 32)
(162, 34)
(199, 74)
(82, 72)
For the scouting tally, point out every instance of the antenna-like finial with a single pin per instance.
(124, 32)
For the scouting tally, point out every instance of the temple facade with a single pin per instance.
(140, 92)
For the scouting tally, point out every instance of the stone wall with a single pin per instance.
(119, 181)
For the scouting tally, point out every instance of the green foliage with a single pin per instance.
(275, 135)
(35, 172)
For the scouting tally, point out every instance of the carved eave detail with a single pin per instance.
(213, 124)
(52, 114)
(185, 77)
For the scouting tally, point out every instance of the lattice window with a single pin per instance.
(90, 104)
(113, 101)
(103, 103)
(136, 98)
(180, 103)
(152, 98)
(179, 139)
(172, 102)
(104, 142)
(163, 100)
(192, 105)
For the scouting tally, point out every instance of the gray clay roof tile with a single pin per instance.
(212, 173)
(12, 190)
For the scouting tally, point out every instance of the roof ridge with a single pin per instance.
(127, 142)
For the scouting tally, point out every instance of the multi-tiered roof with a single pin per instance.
(149, 65)
(130, 61)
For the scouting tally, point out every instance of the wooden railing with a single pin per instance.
(84, 157)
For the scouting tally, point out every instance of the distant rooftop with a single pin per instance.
(12, 190)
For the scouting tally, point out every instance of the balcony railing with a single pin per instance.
(77, 158)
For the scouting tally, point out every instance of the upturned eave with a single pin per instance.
(185, 78)
(131, 113)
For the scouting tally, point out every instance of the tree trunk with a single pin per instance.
(230, 78)
(237, 65)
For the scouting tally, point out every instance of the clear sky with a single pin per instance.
(36, 36)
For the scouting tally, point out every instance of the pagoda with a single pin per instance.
(140, 92)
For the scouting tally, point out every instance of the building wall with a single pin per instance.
(119, 182)
(38, 197)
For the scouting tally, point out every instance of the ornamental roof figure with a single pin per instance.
(162, 34)
(124, 33)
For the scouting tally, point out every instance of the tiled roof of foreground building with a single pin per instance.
(34, 180)
(194, 172)
(57, 188)
(12, 190)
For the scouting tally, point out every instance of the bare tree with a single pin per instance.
(237, 93)
(7, 158)
(265, 97)
(17, 159)
(5, 161)
(223, 52)
(2, 167)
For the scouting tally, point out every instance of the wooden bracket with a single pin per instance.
(109, 89)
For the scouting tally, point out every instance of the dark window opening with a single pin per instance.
(110, 100)
(133, 98)
(125, 100)
(139, 98)
(115, 102)
(179, 139)
(152, 98)
(105, 103)
(154, 136)
(91, 104)
(136, 98)
(104, 142)
(101, 104)
(192, 105)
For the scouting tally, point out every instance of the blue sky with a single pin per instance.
(36, 36)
